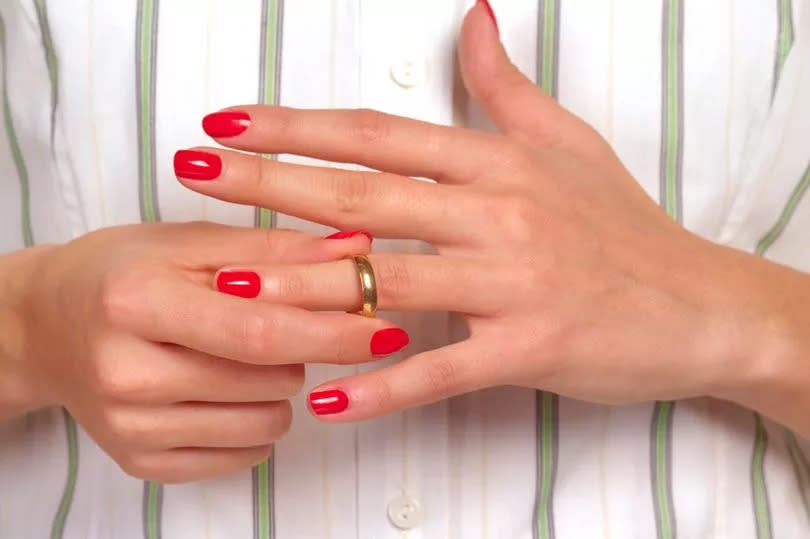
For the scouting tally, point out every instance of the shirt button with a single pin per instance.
(404, 512)
(408, 73)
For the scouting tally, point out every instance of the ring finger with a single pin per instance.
(404, 282)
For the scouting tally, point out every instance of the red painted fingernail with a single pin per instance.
(346, 234)
(245, 284)
(331, 401)
(491, 13)
(387, 341)
(228, 123)
(193, 165)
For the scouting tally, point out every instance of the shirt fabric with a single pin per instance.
(706, 102)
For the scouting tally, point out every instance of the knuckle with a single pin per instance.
(352, 193)
(292, 380)
(280, 420)
(119, 382)
(258, 336)
(120, 294)
(285, 285)
(394, 280)
(383, 394)
(368, 126)
(440, 375)
(519, 218)
(144, 466)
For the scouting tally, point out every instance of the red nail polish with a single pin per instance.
(491, 13)
(346, 234)
(245, 284)
(387, 341)
(227, 123)
(193, 165)
(331, 401)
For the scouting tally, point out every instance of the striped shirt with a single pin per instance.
(706, 102)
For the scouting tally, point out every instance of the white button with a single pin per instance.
(408, 72)
(404, 512)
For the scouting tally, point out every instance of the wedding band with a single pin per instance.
(368, 285)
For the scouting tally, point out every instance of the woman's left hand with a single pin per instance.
(571, 278)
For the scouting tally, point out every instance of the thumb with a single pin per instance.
(513, 102)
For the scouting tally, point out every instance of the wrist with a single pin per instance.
(767, 344)
(17, 388)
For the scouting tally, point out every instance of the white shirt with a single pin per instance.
(481, 465)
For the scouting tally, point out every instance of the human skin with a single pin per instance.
(176, 381)
(570, 277)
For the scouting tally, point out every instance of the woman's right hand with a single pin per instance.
(173, 379)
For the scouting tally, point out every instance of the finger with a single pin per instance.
(212, 245)
(191, 464)
(385, 204)
(405, 282)
(251, 332)
(189, 375)
(420, 379)
(365, 137)
(197, 424)
(514, 103)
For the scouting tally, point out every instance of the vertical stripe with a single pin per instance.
(547, 404)
(671, 200)
(269, 76)
(146, 32)
(801, 468)
(762, 512)
(145, 64)
(672, 108)
(269, 90)
(152, 507)
(51, 60)
(784, 39)
(14, 147)
(58, 526)
(787, 213)
(661, 469)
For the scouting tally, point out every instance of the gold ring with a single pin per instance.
(368, 285)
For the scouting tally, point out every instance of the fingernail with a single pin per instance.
(193, 165)
(346, 234)
(245, 284)
(331, 401)
(387, 341)
(228, 123)
(491, 13)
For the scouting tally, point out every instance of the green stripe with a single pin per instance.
(784, 39)
(14, 146)
(801, 468)
(152, 509)
(58, 527)
(547, 404)
(145, 87)
(145, 67)
(269, 78)
(671, 162)
(269, 73)
(761, 505)
(51, 60)
(664, 516)
(762, 512)
(789, 209)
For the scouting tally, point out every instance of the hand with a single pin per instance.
(174, 380)
(570, 276)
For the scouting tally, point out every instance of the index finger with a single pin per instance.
(366, 137)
